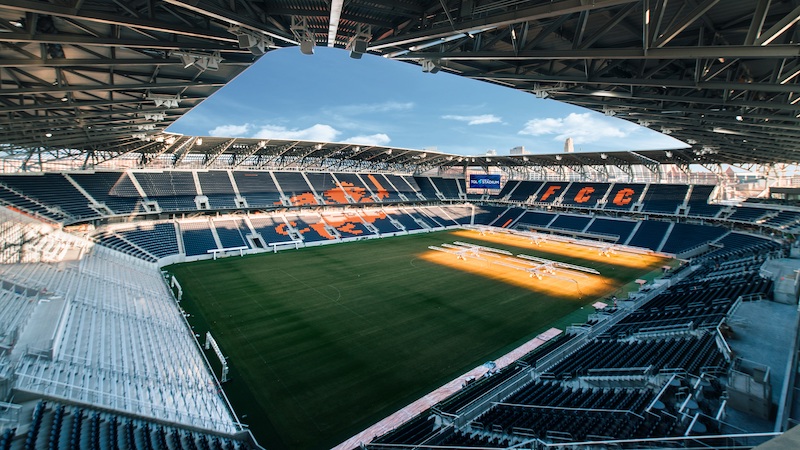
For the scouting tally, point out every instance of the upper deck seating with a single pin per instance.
(295, 188)
(447, 186)
(585, 194)
(622, 196)
(664, 198)
(698, 201)
(426, 187)
(354, 188)
(507, 189)
(53, 190)
(113, 189)
(551, 191)
(324, 185)
(216, 185)
(405, 185)
(173, 190)
(258, 188)
(29, 206)
(386, 191)
(524, 190)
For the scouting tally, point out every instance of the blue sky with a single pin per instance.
(332, 98)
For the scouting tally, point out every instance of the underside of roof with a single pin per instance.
(97, 79)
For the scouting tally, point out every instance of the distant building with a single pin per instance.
(518, 151)
(569, 147)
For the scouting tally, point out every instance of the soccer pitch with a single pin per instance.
(324, 341)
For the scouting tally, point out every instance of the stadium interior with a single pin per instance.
(98, 198)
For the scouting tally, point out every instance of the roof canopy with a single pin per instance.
(98, 79)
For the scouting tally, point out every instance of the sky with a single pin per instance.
(330, 97)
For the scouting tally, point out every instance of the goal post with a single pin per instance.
(212, 343)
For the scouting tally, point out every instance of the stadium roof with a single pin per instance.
(97, 79)
(211, 152)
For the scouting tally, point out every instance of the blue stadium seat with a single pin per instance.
(585, 194)
(664, 198)
(622, 196)
(649, 235)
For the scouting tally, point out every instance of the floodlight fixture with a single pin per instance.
(202, 61)
(257, 43)
(167, 101)
(147, 126)
(156, 117)
(358, 43)
(306, 38)
(540, 93)
(430, 66)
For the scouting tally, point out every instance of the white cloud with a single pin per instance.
(372, 139)
(371, 108)
(230, 130)
(582, 128)
(317, 132)
(475, 120)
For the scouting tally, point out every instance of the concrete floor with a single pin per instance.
(763, 333)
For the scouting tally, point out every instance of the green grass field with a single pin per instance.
(324, 341)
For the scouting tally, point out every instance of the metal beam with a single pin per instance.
(550, 9)
(720, 51)
(757, 22)
(226, 16)
(35, 7)
(75, 39)
(639, 82)
(677, 28)
(50, 89)
(110, 62)
(779, 28)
